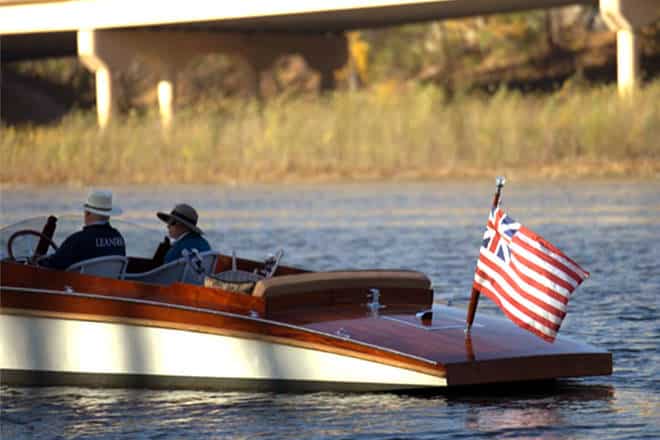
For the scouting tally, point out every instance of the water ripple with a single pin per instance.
(612, 228)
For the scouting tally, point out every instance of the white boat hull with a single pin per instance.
(59, 351)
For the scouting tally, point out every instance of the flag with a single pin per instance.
(529, 278)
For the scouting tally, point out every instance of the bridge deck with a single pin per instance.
(34, 16)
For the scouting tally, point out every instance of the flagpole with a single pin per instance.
(474, 297)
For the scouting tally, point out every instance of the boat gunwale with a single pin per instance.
(212, 312)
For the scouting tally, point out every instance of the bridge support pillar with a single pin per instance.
(627, 58)
(103, 60)
(166, 94)
(105, 96)
(625, 17)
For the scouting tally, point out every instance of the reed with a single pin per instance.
(388, 131)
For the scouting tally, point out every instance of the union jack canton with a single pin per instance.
(498, 243)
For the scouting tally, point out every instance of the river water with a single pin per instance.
(611, 228)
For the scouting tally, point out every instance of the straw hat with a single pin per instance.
(184, 214)
(100, 202)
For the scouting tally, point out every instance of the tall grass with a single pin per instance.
(386, 132)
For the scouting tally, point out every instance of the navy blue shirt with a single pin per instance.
(190, 241)
(96, 240)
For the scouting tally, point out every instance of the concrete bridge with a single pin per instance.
(108, 34)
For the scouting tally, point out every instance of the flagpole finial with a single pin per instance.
(499, 181)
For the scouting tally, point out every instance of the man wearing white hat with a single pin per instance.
(96, 239)
(182, 227)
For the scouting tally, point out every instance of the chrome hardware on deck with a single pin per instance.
(375, 305)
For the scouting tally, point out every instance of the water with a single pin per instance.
(611, 228)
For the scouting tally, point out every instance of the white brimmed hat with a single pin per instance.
(100, 202)
(184, 214)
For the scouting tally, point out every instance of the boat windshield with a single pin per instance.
(141, 241)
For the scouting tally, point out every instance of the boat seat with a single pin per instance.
(320, 281)
(209, 260)
(179, 270)
(111, 266)
(168, 273)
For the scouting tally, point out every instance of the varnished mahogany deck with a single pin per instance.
(495, 350)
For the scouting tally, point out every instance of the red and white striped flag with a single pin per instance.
(529, 278)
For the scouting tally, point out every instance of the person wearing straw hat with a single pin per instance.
(96, 239)
(182, 228)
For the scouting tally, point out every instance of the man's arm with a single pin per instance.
(161, 251)
(63, 256)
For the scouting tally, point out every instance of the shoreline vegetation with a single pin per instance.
(393, 132)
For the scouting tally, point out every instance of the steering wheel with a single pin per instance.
(22, 232)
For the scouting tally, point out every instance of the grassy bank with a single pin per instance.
(387, 132)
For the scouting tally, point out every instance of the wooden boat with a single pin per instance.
(296, 330)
